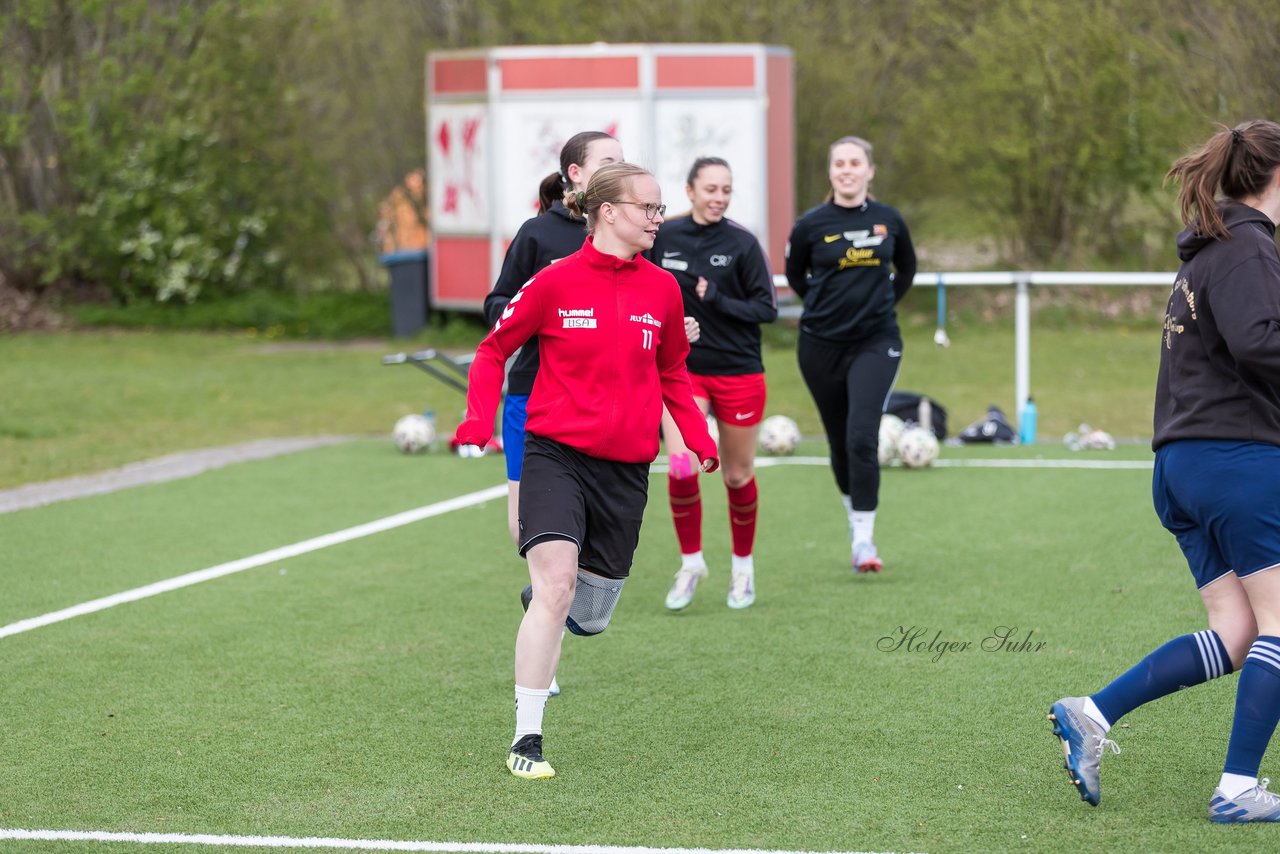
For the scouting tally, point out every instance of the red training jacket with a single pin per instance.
(612, 347)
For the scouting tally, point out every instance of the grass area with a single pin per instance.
(363, 690)
(85, 401)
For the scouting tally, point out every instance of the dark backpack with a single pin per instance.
(994, 428)
(906, 405)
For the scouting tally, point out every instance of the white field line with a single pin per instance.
(410, 516)
(365, 844)
(282, 553)
(766, 462)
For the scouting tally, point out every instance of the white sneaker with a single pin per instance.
(1257, 804)
(681, 592)
(742, 589)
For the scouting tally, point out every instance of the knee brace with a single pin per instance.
(593, 603)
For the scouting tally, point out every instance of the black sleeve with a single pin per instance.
(517, 268)
(798, 259)
(904, 262)
(1247, 313)
(761, 303)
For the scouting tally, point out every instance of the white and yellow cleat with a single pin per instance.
(525, 759)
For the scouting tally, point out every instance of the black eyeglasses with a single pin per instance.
(651, 211)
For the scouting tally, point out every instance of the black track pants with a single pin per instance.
(850, 384)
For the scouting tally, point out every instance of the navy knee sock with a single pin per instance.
(1257, 707)
(1180, 663)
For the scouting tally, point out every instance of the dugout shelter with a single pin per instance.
(497, 118)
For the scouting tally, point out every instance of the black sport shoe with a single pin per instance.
(525, 759)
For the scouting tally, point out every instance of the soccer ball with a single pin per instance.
(891, 427)
(414, 433)
(779, 435)
(918, 447)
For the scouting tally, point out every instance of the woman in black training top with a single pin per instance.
(838, 261)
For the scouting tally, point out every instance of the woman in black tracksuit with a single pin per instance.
(850, 347)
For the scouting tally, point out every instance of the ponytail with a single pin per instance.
(556, 186)
(551, 188)
(1237, 161)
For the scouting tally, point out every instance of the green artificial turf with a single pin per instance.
(364, 690)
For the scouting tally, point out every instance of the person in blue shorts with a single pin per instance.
(1216, 484)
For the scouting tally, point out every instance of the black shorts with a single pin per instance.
(598, 504)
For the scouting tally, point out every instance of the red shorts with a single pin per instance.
(735, 400)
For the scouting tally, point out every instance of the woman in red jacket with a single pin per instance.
(612, 347)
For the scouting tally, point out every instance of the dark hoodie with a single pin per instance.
(1220, 353)
(541, 240)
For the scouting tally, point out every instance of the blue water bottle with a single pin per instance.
(1027, 423)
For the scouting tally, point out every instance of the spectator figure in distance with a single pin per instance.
(727, 287)
(1216, 482)
(403, 216)
(612, 348)
(850, 348)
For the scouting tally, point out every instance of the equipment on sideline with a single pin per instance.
(918, 447)
(779, 435)
(940, 336)
(424, 359)
(891, 429)
(414, 433)
(920, 408)
(454, 375)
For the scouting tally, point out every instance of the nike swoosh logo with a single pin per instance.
(893, 354)
(670, 254)
(831, 238)
(743, 416)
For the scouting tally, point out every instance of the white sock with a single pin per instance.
(848, 504)
(1095, 714)
(744, 564)
(530, 703)
(692, 560)
(863, 525)
(1235, 785)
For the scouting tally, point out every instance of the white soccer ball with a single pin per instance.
(918, 447)
(891, 427)
(414, 433)
(779, 435)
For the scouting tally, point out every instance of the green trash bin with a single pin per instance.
(410, 307)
